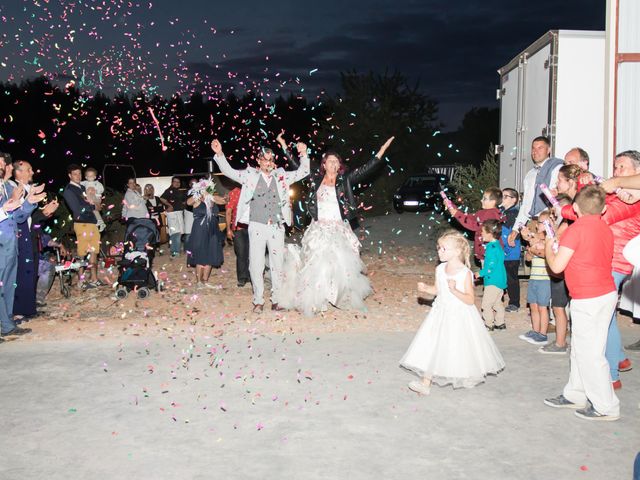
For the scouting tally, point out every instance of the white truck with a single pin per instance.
(555, 88)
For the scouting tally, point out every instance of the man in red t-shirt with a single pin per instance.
(238, 233)
(585, 255)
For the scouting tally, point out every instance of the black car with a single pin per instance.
(419, 192)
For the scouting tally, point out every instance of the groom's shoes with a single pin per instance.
(277, 308)
(257, 308)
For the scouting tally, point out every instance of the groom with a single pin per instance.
(264, 206)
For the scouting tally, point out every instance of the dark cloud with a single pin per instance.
(454, 49)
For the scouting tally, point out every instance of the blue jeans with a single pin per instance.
(614, 351)
(8, 271)
(174, 243)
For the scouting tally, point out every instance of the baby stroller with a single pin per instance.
(140, 240)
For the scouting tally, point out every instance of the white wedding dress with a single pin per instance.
(452, 346)
(327, 269)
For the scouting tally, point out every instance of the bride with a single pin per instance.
(327, 268)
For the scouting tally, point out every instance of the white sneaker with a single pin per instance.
(419, 387)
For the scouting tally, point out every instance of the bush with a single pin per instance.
(470, 182)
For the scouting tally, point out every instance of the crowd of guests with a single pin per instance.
(576, 231)
(29, 254)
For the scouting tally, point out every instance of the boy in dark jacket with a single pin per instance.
(510, 209)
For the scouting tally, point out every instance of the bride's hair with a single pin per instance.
(326, 155)
(461, 242)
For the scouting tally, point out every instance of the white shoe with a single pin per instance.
(420, 387)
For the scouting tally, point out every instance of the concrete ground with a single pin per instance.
(328, 406)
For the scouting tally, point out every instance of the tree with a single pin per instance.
(372, 108)
(470, 182)
(480, 128)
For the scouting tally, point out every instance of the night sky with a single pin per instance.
(453, 48)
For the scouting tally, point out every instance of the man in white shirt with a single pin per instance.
(545, 171)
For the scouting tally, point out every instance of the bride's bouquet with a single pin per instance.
(203, 191)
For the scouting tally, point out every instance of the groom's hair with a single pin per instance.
(262, 151)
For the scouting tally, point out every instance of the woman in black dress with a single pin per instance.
(204, 249)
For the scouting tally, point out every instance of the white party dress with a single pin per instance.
(452, 346)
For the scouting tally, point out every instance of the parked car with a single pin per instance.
(419, 192)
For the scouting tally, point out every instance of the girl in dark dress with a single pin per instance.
(205, 243)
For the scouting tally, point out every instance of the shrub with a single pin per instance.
(470, 182)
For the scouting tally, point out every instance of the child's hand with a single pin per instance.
(422, 287)
(452, 285)
(476, 275)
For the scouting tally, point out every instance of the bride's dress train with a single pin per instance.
(326, 269)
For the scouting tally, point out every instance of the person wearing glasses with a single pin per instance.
(510, 209)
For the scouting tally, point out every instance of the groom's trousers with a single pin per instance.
(271, 237)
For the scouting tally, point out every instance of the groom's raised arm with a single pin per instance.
(304, 169)
(226, 169)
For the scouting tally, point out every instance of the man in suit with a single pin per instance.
(13, 210)
(264, 206)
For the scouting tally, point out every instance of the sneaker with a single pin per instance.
(624, 365)
(512, 309)
(537, 339)
(590, 413)
(634, 346)
(419, 387)
(617, 384)
(553, 349)
(489, 327)
(525, 336)
(88, 285)
(561, 402)
(500, 327)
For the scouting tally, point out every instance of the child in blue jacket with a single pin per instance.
(493, 275)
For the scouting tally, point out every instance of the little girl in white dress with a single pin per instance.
(452, 345)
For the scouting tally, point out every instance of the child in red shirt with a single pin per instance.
(585, 254)
(491, 198)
